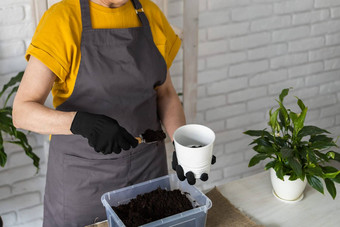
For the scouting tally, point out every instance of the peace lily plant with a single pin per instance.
(8, 133)
(296, 150)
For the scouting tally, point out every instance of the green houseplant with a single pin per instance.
(296, 150)
(14, 136)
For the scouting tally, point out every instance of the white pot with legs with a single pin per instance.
(287, 190)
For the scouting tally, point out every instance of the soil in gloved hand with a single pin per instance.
(152, 206)
(152, 136)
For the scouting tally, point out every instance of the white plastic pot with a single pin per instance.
(194, 147)
(287, 190)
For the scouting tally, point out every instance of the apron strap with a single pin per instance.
(85, 15)
(137, 4)
(142, 17)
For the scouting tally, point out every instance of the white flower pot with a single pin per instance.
(195, 159)
(287, 190)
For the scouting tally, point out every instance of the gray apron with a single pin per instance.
(118, 73)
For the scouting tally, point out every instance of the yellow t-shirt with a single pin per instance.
(57, 38)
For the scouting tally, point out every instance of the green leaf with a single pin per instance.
(330, 154)
(256, 132)
(270, 165)
(5, 118)
(3, 155)
(286, 152)
(315, 183)
(331, 175)
(280, 141)
(294, 117)
(279, 170)
(22, 137)
(298, 124)
(3, 158)
(336, 156)
(330, 187)
(301, 104)
(6, 124)
(290, 128)
(330, 172)
(283, 115)
(256, 159)
(314, 138)
(296, 166)
(262, 141)
(264, 149)
(29, 152)
(6, 110)
(311, 130)
(311, 155)
(282, 119)
(321, 155)
(329, 169)
(322, 145)
(316, 171)
(260, 133)
(336, 179)
(293, 177)
(283, 94)
(270, 112)
(15, 89)
(23, 142)
(12, 82)
(273, 120)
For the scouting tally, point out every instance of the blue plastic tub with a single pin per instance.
(195, 217)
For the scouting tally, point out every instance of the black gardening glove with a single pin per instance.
(190, 176)
(104, 134)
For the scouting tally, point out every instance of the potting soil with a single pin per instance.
(151, 135)
(152, 206)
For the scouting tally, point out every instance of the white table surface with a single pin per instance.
(253, 195)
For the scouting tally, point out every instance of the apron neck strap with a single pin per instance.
(140, 12)
(86, 18)
(85, 15)
(137, 4)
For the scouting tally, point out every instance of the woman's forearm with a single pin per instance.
(171, 114)
(38, 118)
(29, 112)
(170, 109)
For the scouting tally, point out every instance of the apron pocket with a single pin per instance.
(86, 180)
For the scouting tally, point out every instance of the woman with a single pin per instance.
(107, 63)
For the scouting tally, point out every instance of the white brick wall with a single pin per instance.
(266, 45)
(21, 189)
(248, 51)
(293, 6)
(311, 17)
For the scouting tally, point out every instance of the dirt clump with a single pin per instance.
(152, 206)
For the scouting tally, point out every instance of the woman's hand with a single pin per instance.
(190, 176)
(103, 133)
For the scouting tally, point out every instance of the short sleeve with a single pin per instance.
(172, 43)
(53, 41)
(164, 36)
